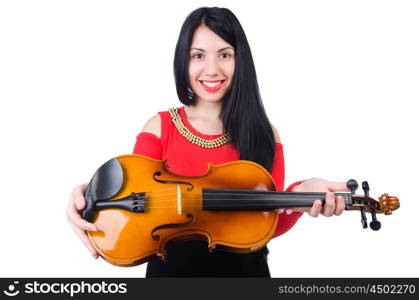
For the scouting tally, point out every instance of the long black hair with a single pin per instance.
(243, 115)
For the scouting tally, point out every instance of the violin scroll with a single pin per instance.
(386, 204)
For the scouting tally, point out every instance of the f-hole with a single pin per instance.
(156, 237)
(158, 173)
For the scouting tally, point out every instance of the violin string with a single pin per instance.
(159, 190)
(151, 202)
(186, 205)
(294, 195)
(275, 206)
(189, 206)
(225, 199)
(248, 194)
(156, 199)
(251, 193)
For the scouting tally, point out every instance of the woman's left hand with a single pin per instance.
(333, 206)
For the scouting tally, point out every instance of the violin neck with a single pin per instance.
(225, 199)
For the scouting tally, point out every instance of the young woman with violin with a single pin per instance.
(222, 120)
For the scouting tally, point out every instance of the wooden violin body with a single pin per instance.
(126, 238)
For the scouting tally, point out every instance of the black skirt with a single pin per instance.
(192, 259)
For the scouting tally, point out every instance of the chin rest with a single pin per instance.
(105, 184)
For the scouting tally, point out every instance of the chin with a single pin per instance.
(211, 99)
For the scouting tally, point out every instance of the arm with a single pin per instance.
(75, 207)
(276, 134)
(153, 125)
(149, 140)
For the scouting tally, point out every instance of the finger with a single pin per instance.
(75, 219)
(337, 186)
(85, 240)
(72, 207)
(78, 196)
(83, 237)
(80, 202)
(316, 208)
(78, 191)
(329, 207)
(340, 206)
(83, 188)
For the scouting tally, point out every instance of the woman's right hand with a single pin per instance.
(76, 204)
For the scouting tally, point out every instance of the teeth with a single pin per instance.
(211, 84)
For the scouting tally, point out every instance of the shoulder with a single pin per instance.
(153, 125)
(276, 134)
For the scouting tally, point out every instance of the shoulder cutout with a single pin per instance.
(276, 134)
(153, 125)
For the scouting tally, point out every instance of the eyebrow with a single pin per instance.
(205, 51)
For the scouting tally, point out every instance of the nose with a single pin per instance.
(211, 66)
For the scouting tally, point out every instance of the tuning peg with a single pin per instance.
(375, 224)
(364, 220)
(352, 185)
(366, 188)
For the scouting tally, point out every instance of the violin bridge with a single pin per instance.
(179, 201)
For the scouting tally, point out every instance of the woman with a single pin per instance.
(223, 120)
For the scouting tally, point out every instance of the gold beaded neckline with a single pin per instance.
(197, 140)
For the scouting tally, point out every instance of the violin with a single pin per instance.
(140, 206)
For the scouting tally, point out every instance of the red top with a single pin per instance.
(186, 158)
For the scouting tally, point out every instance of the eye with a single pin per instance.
(197, 55)
(226, 55)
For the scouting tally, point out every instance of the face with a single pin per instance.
(211, 65)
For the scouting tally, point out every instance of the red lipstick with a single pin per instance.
(212, 89)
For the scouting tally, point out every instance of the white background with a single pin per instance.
(339, 79)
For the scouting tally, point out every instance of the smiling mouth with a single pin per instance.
(211, 83)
